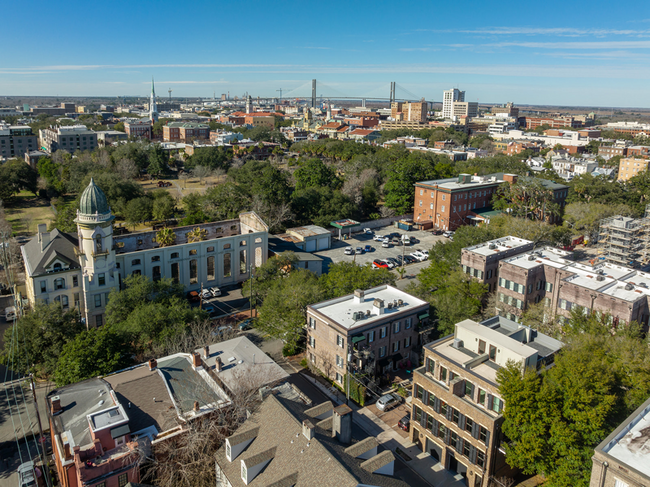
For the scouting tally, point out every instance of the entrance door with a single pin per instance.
(453, 463)
(416, 438)
(477, 480)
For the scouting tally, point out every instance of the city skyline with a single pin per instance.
(555, 54)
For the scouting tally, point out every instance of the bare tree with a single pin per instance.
(201, 172)
(103, 158)
(501, 482)
(273, 214)
(198, 334)
(385, 212)
(127, 169)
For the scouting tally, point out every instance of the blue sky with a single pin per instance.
(545, 52)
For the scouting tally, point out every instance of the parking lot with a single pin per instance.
(426, 240)
(392, 416)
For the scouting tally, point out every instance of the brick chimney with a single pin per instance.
(55, 405)
(206, 351)
(342, 424)
(196, 360)
(153, 363)
(66, 451)
(378, 306)
(358, 296)
(218, 366)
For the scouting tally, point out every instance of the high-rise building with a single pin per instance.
(153, 109)
(448, 99)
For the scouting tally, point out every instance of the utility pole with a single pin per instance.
(347, 379)
(251, 269)
(40, 429)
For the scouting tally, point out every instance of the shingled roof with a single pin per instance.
(60, 246)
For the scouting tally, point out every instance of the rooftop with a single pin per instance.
(495, 246)
(451, 184)
(341, 310)
(630, 442)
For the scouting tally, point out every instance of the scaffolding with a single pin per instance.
(626, 241)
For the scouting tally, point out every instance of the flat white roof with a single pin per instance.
(632, 445)
(501, 244)
(341, 309)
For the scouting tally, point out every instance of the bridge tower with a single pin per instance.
(313, 93)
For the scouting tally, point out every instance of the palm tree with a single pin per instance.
(197, 234)
(166, 237)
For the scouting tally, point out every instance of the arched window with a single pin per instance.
(98, 243)
(57, 266)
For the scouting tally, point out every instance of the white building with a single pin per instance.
(448, 99)
(502, 127)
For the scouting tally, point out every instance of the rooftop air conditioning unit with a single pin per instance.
(643, 285)
(492, 246)
(367, 312)
(600, 278)
(531, 257)
(400, 302)
(457, 343)
(390, 305)
(629, 287)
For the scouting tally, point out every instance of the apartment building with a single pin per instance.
(630, 167)
(139, 128)
(375, 329)
(608, 151)
(555, 121)
(71, 138)
(638, 150)
(630, 128)
(185, 131)
(518, 147)
(16, 141)
(457, 407)
(464, 109)
(62, 109)
(623, 458)
(411, 112)
(448, 99)
(508, 109)
(450, 203)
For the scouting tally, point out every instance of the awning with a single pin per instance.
(397, 357)
(383, 362)
(423, 316)
(358, 339)
(120, 431)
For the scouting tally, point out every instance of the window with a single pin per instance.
(226, 246)
(340, 341)
(99, 321)
(98, 243)
(432, 400)
(480, 458)
(443, 196)
(227, 271)
(469, 424)
(312, 342)
(339, 378)
(442, 208)
(101, 279)
(211, 273)
(396, 326)
(418, 414)
(469, 388)
(210, 249)
(408, 322)
(549, 287)
(382, 332)
(481, 397)
(192, 252)
(194, 276)
(156, 273)
(497, 405)
(493, 352)
(421, 192)
(243, 243)
(443, 408)
(75, 281)
(137, 272)
(135, 262)
(339, 361)
(481, 347)
(620, 483)
(98, 300)
(242, 261)
(407, 342)
(371, 336)
(175, 272)
(155, 258)
(59, 283)
(395, 347)
(420, 202)
(466, 448)
(442, 431)
(455, 416)
(443, 374)
(453, 440)
(430, 365)
(43, 286)
(482, 434)
(382, 352)
(102, 484)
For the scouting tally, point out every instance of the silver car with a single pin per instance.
(388, 401)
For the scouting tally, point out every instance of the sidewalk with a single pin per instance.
(422, 463)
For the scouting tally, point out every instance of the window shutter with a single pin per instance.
(415, 390)
(461, 421)
(436, 405)
(489, 401)
(472, 454)
(434, 427)
(447, 436)
(450, 412)
(475, 429)
(473, 389)
(459, 445)
(487, 437)
(423, 419)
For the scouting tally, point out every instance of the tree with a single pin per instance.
(314, 172)
(527, 198)
(163, 205)
(321, 206)
(585, 217)
(158, 161)
(93, 352)
(197, 234)
(345, 277)
(138, 210)
(210, 157)
(201, 172)
(41, 334)
(15, 176)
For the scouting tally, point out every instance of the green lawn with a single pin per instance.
(26, 211)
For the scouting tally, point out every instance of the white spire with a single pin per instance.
(153, 109)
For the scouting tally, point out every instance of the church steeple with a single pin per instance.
(153, 109)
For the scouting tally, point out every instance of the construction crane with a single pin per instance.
(170, 94)
(280, 90)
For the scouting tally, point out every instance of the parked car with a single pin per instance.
(388, 401)
(448, 233)
(395, 235)
(378, 238)
(206, 294)
(193, 296)
(399, 260)
(436, 232)
(386, 244)
(211, 310)
(222, 330)
(409, 259)
(215, 291)
(376, 264)
(349, 251)
(419, 256)
(246, 324)
(392, 261)
(405, 422)
(359, 250)
(26, 475)
(368, 248)
(414, 240)
(367, 231)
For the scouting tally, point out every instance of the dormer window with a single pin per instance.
(243, 472)
(57, 266)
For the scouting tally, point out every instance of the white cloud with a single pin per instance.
(553, 31)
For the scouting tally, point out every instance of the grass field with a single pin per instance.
(182, 187)
(26, 211)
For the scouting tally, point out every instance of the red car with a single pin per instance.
(193, 296)
(376, 264)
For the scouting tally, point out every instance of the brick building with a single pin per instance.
(376, 328)
(518, 147)
(16, 141)
(409, 112)
(557, 121)
(608, 151)
(138, 128)
(457, 408)
(638, 151)
(623, 458)
(185, 131)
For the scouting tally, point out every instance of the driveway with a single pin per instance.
(392, 416)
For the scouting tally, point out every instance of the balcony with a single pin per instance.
(100, 253)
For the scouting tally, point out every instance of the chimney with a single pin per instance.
(66, 451)
(55, 403)
(43, 236)
(378, 306)
(342, 424)
(358, 296)
(153, 363)
(206, 351)
(196, 406)
(308, 429)
(196, 360)
(218, 366)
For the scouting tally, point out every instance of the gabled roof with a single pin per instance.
(61, 245)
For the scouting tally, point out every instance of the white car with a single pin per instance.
(419, 256)
(349, 251)
(387, 401)
(386, 244)
(378, 238)
(448, 234)
(367, 231)
(215, 291)
(206, 294)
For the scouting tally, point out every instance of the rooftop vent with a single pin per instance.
(390, 305)
(531, 257)
(492, 246)
(643, 285)
(629, 287)
(600, 278)
(457, 343)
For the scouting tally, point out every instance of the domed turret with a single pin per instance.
(93, 201)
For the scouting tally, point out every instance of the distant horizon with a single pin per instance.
(558, 54)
